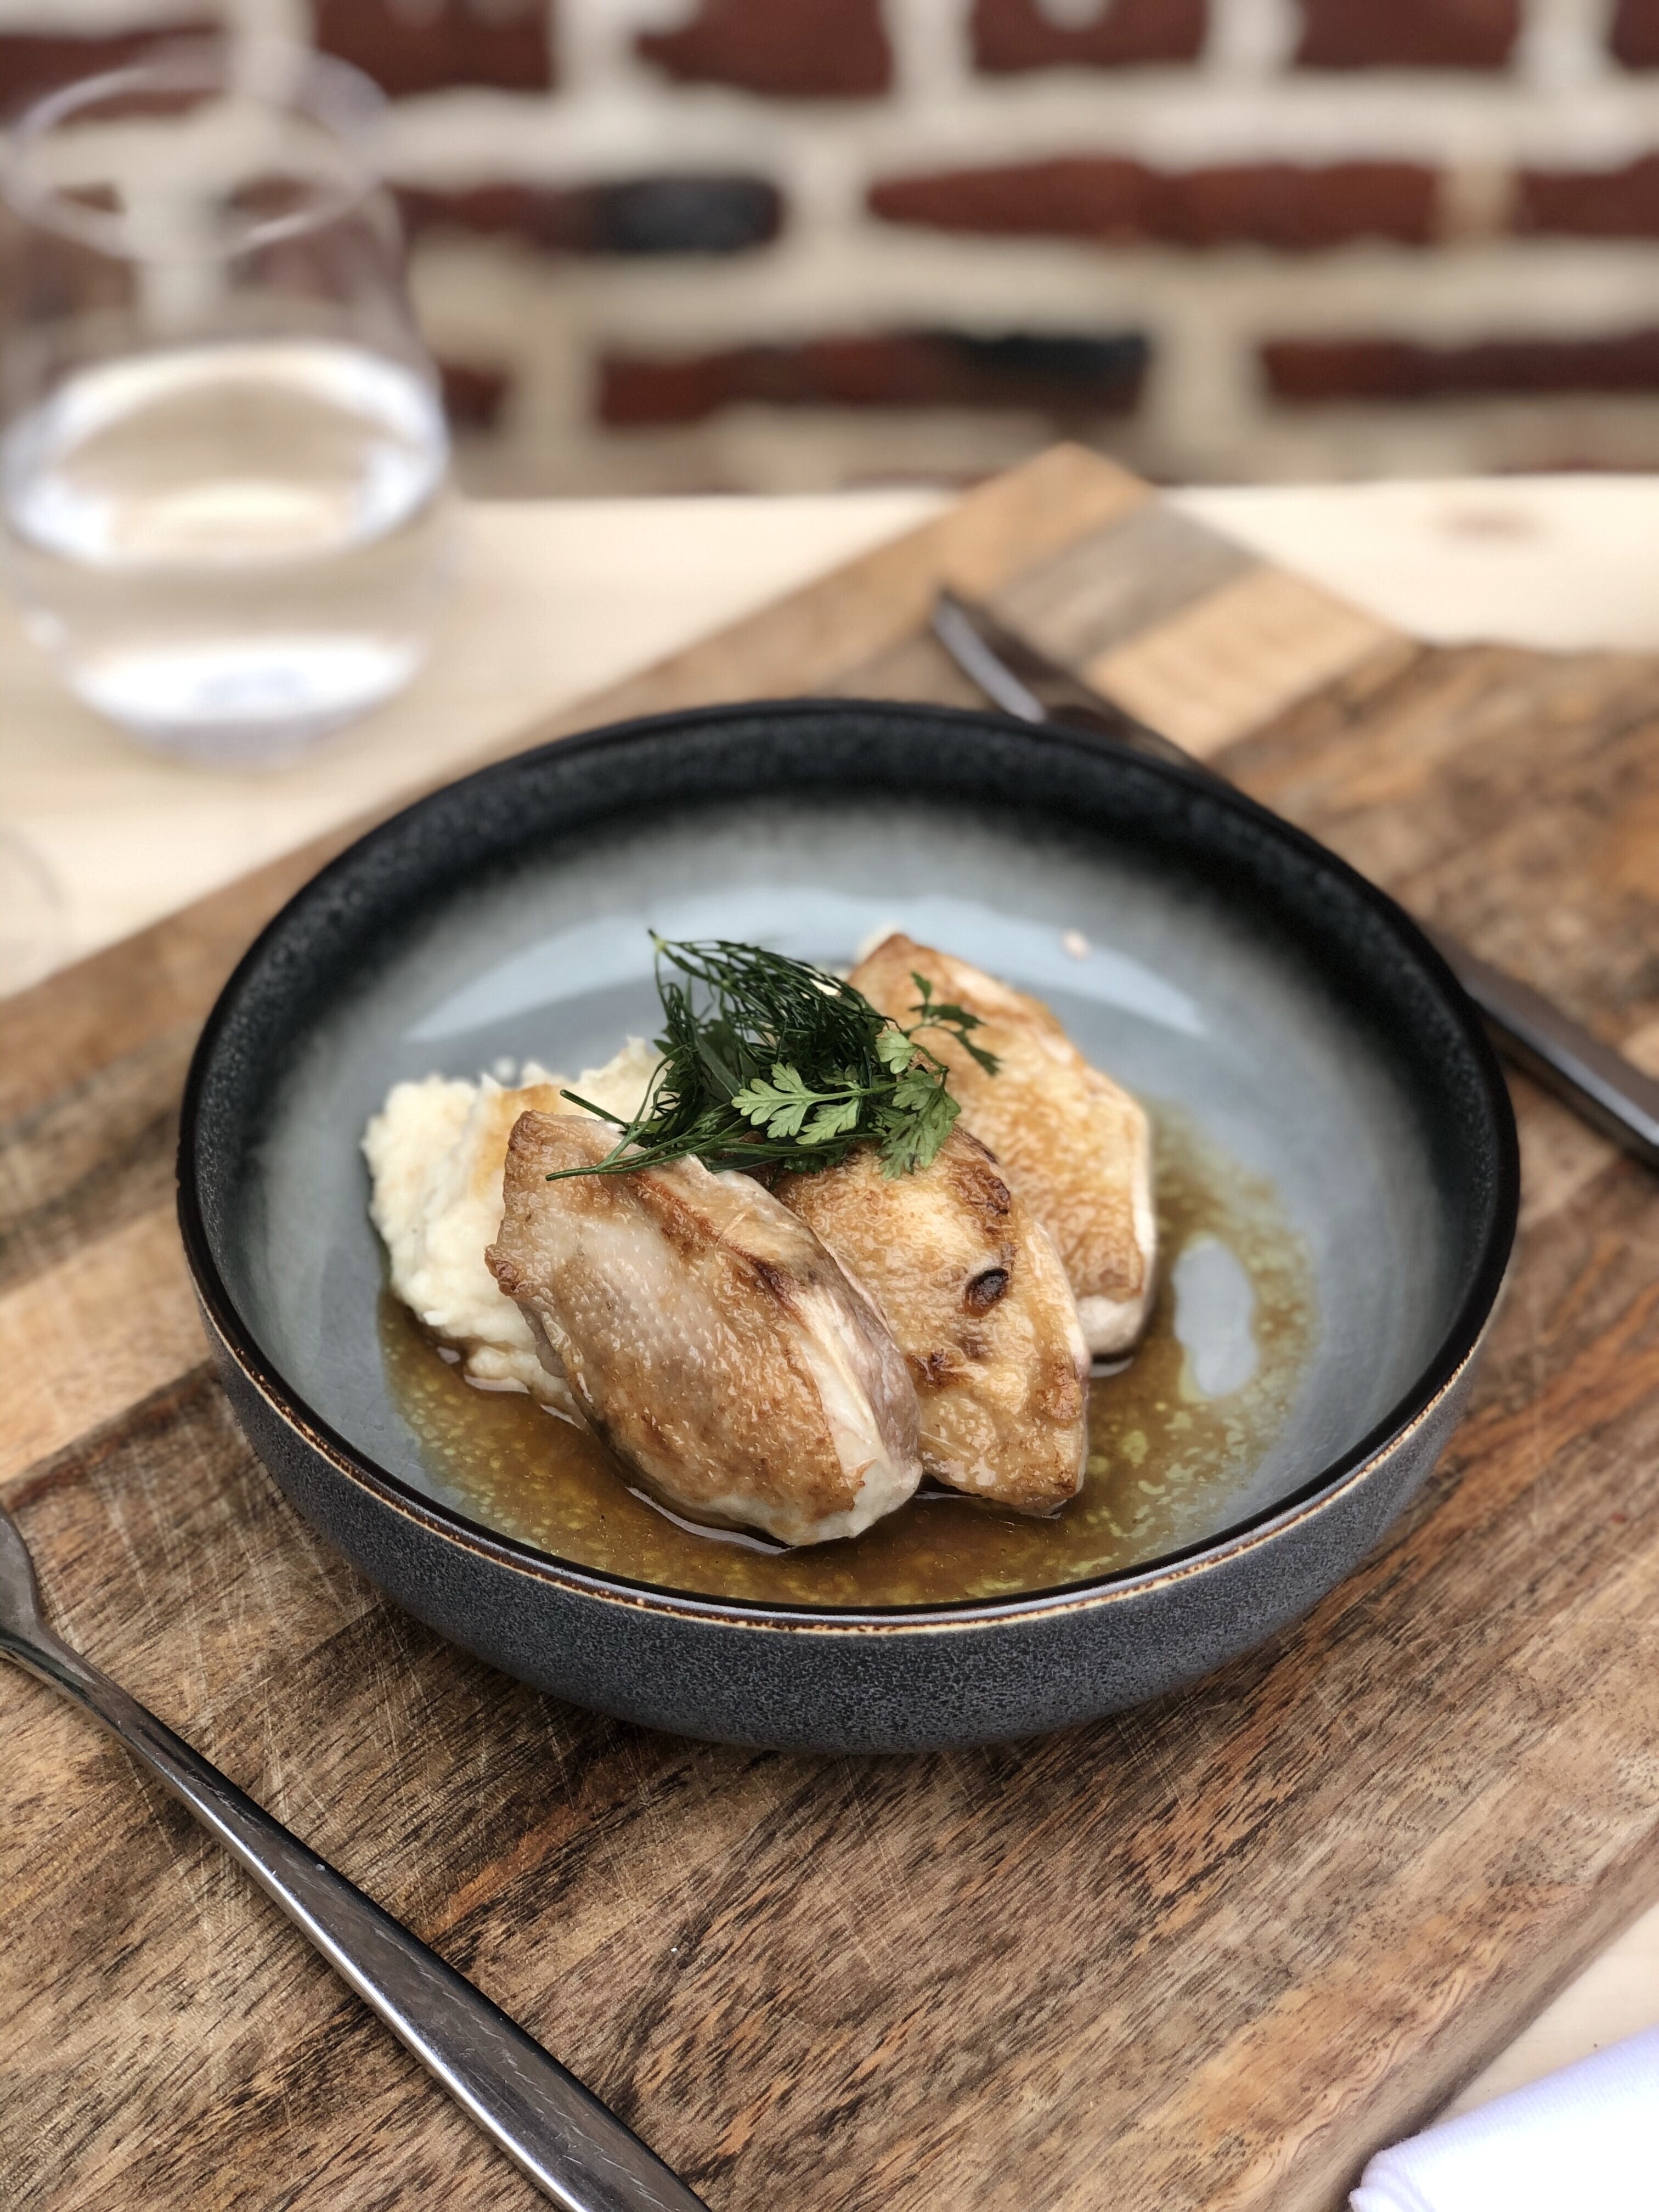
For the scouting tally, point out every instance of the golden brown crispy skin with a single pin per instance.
(975, 1293)
(1075, 1145)
(707, 1336)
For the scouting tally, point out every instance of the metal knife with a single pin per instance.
(1604, 1088)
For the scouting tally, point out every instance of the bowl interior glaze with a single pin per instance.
(1231, 973)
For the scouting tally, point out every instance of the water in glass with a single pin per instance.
(224, 539)
(224, 497)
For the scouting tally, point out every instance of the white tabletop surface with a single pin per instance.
(560, 598)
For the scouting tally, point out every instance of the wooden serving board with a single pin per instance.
(1208, 1955)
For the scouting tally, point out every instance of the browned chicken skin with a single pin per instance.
(976, 1297)
(707, 1336)
(1073, 1145)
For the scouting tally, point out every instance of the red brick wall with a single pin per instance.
(1346, 34)
(729, 242)
(802, 50)
(1634, 38)
(440, 43)
(1293, 208)
(1020, 34)
(36, 58)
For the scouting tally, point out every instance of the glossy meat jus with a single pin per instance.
(978, 1302)
(707, 1337)
(1073, 1144)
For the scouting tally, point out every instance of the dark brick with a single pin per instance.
(1590, 203)
(1634, 35)
(1017, 34)
(1073, 377)
(1274, 204)
(34, 63)
(1345, 34)
(474, 392)
(644, 215)
(408, 50)
(1320, 369)
(688, 215)
(788, 49)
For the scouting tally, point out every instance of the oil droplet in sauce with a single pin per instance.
(1174, 1434)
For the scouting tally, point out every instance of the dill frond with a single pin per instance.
(770, 1063)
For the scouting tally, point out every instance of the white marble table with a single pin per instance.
(560, 598)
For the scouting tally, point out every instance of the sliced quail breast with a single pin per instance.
(708, 1337)
(1072, 1144)
(976, 1297)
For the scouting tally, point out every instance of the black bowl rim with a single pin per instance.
(1457, 1347)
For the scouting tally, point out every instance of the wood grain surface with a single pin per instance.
(1210, 1953)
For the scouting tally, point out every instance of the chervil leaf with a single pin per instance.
(916, 1088)
(832, 1120)
(780, 1106)
(912, 1140)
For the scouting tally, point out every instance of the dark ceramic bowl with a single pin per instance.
(1234, 970)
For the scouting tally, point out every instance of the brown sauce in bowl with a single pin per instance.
(1164, 1455)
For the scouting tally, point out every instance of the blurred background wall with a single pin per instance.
(758, 244)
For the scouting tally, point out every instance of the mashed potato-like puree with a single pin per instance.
(436, 1151)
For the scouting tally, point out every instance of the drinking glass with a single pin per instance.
(223, 463)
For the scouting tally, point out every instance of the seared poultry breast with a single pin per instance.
(707, 1336)
(975, 1296)
(1073, 1146)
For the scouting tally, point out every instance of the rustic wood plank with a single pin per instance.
(1208, 1954)
(84, 1339)
(1139, 571)
(1240, 655)
(1514, 800)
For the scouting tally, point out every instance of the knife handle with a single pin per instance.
(1605, 1089)
(1601, 1086)
(556, 2132)
(1609, 1092)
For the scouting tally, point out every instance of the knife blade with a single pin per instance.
(1605, 1089)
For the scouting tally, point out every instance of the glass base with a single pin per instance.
(247, 704)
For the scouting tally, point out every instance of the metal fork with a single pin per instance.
(559, 2134)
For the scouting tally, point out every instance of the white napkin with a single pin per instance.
(1588, 2137)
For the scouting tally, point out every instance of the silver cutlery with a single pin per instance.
(556, 2131)
(1604, 1088)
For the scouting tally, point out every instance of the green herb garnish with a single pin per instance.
(768, 1062)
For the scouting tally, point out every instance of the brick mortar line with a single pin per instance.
(1176, 122)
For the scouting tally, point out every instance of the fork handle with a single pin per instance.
(575, 2150)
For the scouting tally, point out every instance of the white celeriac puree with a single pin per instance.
(436, 1151)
